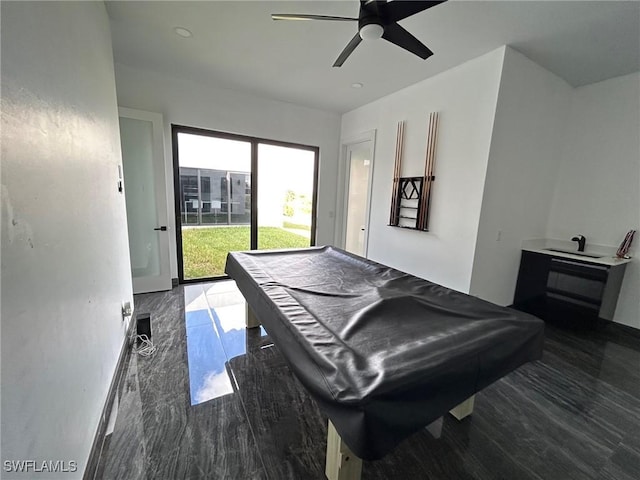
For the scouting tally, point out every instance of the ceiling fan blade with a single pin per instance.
(348, 50)
(294, 16)
(397, 35)
(372, 6)
(399, 9)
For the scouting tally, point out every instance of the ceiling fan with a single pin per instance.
(377, 18)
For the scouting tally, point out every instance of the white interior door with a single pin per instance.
(142, 142)
(358, 175)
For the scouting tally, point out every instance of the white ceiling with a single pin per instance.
(236, 45)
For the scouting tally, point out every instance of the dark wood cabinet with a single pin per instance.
(551, 286)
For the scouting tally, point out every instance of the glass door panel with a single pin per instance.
(286, 178)
(359, 165)
(214, 201)
(142, 147)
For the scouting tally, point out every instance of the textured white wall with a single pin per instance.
(187, 102)
(65, 258)
(597, 192)
(526, 146)
(466, 98)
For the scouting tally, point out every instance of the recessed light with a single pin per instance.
(356, 85)
(183, 32)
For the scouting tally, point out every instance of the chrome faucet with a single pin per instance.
(581, 241)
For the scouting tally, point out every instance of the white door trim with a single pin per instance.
(163, 281)
(343, 181)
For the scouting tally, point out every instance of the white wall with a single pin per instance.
(598, 185)
(65, 258)
(187, 102)
(524, 159)
(554, 162)
(466, 98)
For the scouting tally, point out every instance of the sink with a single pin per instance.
(573, 252)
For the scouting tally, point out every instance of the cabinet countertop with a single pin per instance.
(610, 261)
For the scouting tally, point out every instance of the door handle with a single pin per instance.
(163, 228)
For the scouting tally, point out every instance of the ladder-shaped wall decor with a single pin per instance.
(410, 198)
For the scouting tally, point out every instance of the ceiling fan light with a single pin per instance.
(372, 31)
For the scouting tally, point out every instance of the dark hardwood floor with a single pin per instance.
(218, 402)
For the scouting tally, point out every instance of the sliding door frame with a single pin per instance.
(254, 141)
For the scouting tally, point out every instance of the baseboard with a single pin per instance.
(98, 441)
(607, 330)
(174, 282)
(622, 330)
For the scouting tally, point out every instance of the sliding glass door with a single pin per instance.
(237, 193)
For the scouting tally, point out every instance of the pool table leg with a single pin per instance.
(341, 464)
(252, 320)
(464, 409)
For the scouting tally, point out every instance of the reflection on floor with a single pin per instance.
(218, 402)
(214, 320)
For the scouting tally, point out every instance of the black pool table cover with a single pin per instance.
(382, 352)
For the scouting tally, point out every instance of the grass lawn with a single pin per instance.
(296, 226)
(205, 249)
